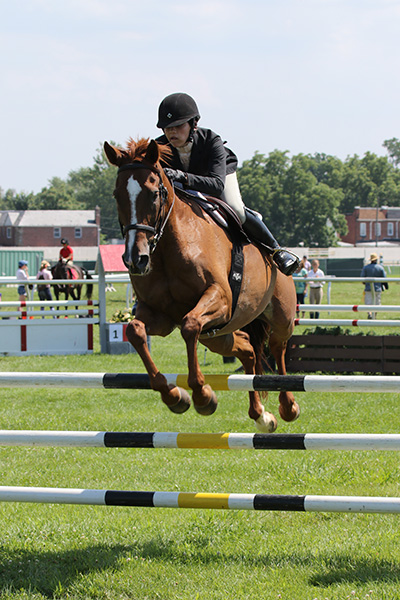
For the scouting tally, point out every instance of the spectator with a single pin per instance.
(22, 275)
(373, 290)
(301, 286)
(316, 290)
(66, 252)
(307, 264)
(44, 290)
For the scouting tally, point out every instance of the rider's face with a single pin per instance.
(178, 136)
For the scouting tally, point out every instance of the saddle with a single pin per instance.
(72, 273)
(221, 213)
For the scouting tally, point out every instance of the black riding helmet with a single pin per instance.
(177, 109)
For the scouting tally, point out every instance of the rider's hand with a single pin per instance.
(175, 175)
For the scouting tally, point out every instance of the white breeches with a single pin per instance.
(232, 196)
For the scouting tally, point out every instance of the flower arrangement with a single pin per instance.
(122, 316)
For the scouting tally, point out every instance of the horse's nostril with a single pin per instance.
(140, 264)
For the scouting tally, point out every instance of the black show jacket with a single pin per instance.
(210, 162)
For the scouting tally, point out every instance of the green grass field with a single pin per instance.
(88, 552)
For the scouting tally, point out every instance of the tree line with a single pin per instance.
(302, 198)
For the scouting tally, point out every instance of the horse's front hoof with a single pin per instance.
(183, 403)
(209, 408)
(266, 422)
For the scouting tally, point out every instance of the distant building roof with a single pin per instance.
(56, 218)
(9, 218)
(370, 213)
(393, 213)
(111, 256)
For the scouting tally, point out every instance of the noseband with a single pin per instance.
(160, 224)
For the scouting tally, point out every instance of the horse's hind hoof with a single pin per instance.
(183, 403)
(209, 408)
(293, 415)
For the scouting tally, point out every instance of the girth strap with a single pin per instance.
(236, 274)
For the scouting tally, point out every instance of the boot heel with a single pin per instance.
(286, 263)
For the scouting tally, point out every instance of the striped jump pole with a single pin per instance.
(348, 307)
(351, 504)
(235, 383)
(348, 322)
(211, 441)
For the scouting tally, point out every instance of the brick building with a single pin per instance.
(371, 224)
(33, 228)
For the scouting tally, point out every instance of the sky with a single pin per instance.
(303, 76)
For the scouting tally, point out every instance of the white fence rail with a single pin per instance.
(29, 331)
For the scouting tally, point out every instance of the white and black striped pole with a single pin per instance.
(239, 383)
(212, 441)
(261, 502)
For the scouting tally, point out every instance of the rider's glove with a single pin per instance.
(175, 175)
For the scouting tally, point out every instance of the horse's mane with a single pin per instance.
(137, 149)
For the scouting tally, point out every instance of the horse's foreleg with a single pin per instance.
(176, 398)
(211, 310)
(289, 410)
(238, 344)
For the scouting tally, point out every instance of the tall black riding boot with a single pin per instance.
(256, 229)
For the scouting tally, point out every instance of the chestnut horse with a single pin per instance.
(179, 262)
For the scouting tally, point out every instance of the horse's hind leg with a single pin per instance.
(57, 295)
(176, 398)
(78, 293)
(280, 315)
(238, 344)
(289, 410)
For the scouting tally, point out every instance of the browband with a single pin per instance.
(139, 165)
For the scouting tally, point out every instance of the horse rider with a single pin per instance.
(201, 162)
(66, 252)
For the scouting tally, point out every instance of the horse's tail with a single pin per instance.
(258, 331)
(89, 286)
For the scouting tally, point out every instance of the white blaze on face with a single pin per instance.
(134, 189)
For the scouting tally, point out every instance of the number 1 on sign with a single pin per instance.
(115, 334)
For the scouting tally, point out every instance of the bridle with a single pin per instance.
(161, 221)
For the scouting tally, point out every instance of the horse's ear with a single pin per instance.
(152, 152)
(115, 156)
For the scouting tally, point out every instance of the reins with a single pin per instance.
(160, 223)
